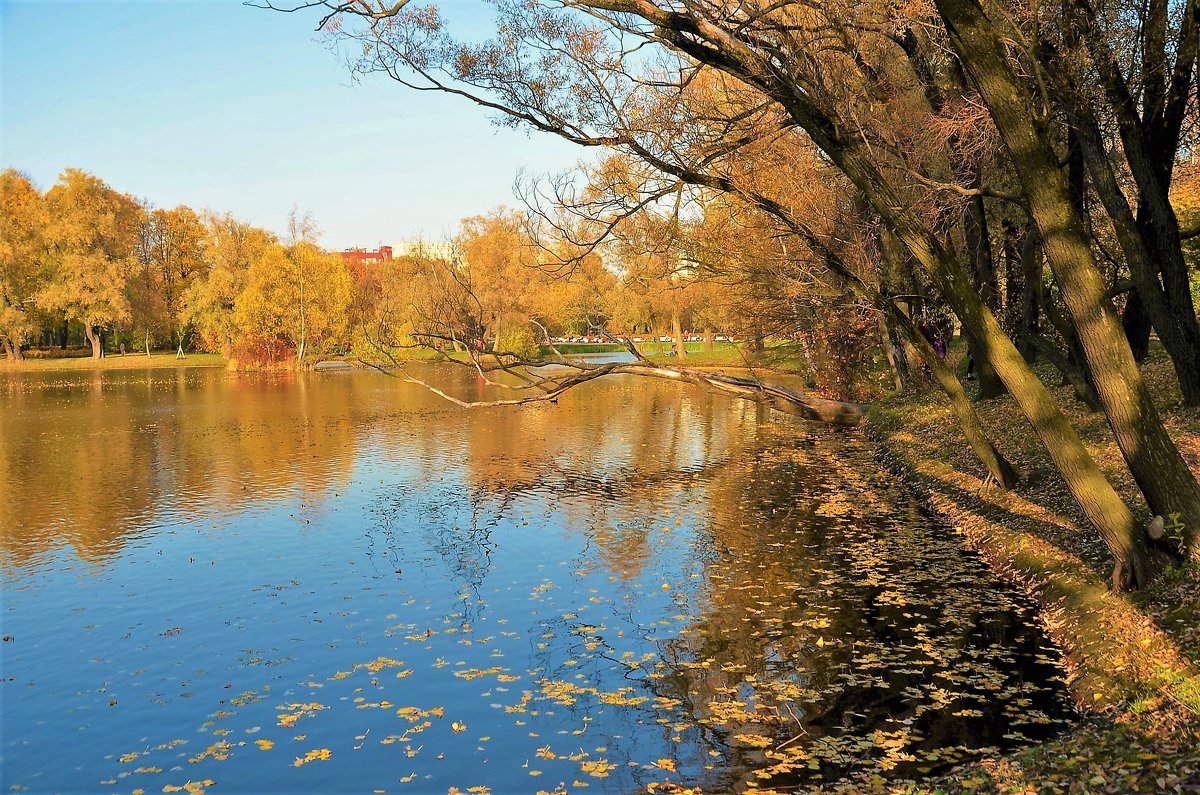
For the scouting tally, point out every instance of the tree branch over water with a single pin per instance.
(568, 373)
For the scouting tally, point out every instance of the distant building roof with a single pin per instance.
(361, 255)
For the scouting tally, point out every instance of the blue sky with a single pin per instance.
(214, 104)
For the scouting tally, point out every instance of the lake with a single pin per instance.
(338, 582)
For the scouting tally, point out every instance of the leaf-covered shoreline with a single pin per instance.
(1131, 659)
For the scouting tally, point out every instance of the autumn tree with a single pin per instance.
(298, 295)
(92, 240)
(23, 219)
(499, 262)
(208, 302)
(173, 257)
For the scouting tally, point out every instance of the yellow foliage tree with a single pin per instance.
(299, 295)
(230, 246)
(23, 221)
(92, 234)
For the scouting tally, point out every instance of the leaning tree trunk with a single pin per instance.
(1151, 245)
(1072, 365)
(1153, 459)
(1099, 501)
(1150, 127)
(913, 345)
(968, 420)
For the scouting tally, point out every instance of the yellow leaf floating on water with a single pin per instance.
(665, 764)
(458, 726)
(317, 753)
(191, 787)
(293, 712)
(598, 768)
(408, 778)
(265, 745)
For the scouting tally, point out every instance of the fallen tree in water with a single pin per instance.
(543, 380)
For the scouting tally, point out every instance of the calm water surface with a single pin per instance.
(337, 582)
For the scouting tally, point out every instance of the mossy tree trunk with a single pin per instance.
(1160, 471)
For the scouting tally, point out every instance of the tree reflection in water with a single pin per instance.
(641, 583)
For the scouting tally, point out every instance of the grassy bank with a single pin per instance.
(777, 357)
(158, 360)
(1131, 659)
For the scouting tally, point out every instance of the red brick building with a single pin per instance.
(361, 257)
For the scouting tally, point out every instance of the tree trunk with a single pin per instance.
(1072, 365)
(708, 339)
(677, 328)
(1153, 459)
(899, 326)
(1029, 300)
(757, 343)
(64, 334)
(1136, 323)
(888, 341)
(1150, 141)
(979, 250)
(8, 349)
(1150, 246)
(1013, 281)
(93, 337)
(1174, 317)
(1095, 495)
(968, 420)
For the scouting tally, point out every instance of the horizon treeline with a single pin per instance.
(82, 263)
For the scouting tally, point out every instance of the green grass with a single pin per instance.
(778, 356)
(133, 361)
(568, 348)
